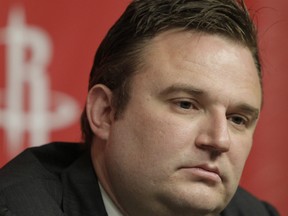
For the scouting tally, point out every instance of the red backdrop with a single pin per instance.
(46, 51)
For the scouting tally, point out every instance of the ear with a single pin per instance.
(99, 110)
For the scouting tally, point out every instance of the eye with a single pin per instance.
(238, 120)
(186, 104)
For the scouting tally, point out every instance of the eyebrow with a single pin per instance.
(254, 112)
(181, 88)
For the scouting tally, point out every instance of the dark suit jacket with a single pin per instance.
(58, 179)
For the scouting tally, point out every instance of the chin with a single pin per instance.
(195, 201)
(206, 206)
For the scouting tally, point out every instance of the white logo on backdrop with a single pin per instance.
(28, 51)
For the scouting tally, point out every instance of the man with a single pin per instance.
(174, 97)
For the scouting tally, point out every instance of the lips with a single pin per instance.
(204, 172)
(208, 168)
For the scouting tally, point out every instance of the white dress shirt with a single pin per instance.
(110, 207)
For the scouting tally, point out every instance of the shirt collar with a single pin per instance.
(110, 207)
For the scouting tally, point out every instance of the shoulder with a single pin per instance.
(244, 203)
(40, 162)
(32, 180)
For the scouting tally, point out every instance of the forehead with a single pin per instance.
(183, 44)
(202, 60)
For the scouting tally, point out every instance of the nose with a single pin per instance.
(214, 134)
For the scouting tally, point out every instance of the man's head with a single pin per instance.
(120, 55)
(175, 94)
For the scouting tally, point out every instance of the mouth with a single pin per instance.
(205, 172)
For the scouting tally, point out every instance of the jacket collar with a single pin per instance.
(81, 195)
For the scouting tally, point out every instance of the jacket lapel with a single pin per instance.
(82, 195)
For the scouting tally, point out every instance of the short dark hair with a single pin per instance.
(119, 55)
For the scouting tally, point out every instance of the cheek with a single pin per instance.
(151, 139)
(239, 153)
(163, 134)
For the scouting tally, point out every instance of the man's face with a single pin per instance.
(180, 146)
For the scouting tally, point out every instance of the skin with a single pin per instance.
(181, 144)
